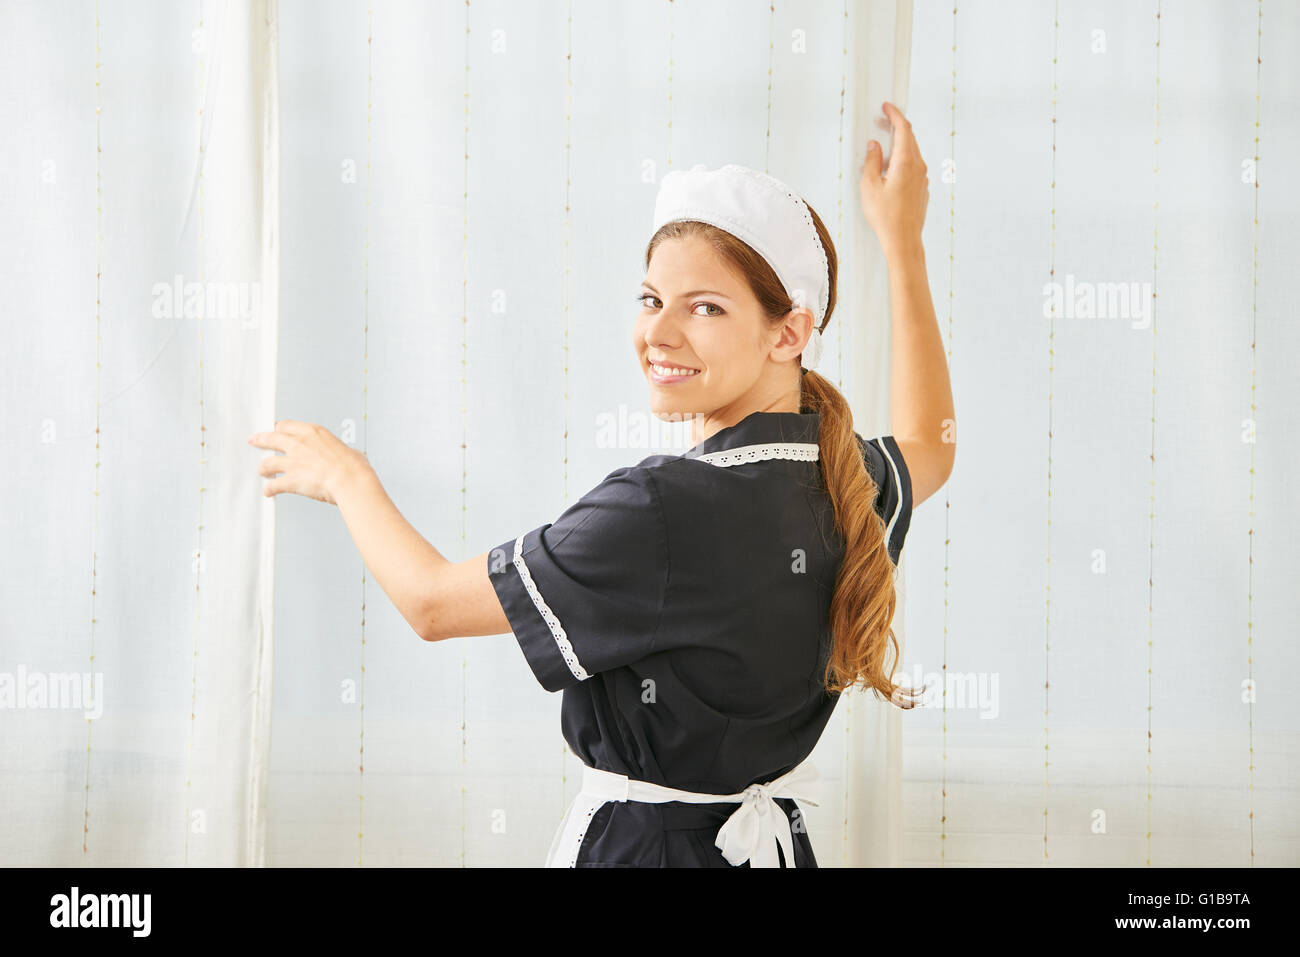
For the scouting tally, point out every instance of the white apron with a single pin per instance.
(752, 833)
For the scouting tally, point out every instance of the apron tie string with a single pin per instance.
(758, 825)
(752, 832)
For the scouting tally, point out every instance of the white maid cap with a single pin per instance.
(768, 215)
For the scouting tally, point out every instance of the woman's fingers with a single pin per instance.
(316, 459)
(272, 465)
(270, 440)
(895, 193)
(905, 145)
(287, 433)
(871, 166)
(293, 427)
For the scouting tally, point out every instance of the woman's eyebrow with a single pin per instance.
(693, 292)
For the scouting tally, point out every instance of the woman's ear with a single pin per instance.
(804, 324)
(795, 333)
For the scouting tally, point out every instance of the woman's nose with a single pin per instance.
(662, 327)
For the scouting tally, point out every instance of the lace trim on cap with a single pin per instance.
(771, 181)
(557, 630)
(797, 451)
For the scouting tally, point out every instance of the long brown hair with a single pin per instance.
(864, 598)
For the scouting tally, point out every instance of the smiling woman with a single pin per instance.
(702, 612)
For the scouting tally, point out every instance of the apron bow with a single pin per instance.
(754, 829)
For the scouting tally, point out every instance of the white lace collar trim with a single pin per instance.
(744, 454)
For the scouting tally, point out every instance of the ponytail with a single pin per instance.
(864, 599)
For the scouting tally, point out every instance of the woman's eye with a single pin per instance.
(654, 303)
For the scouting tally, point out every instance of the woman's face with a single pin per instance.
(701, 321)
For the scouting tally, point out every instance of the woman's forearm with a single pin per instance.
(399, 558)
(921, 404)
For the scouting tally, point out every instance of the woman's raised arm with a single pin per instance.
(922, 418)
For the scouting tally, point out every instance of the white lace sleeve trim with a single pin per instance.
(557, 630)
(798, 451)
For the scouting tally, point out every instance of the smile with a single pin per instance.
(662, 373)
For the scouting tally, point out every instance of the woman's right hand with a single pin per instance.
(895, 204)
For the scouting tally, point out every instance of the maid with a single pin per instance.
(702, 612)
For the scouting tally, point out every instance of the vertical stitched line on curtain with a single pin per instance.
(947, 486)
(1151, 511)
(1051, 366)
(670, 85)
(198, 549)
(365, 403)
(1250, 532)
(839, 192)
(839, 382)
(568, 223)
(771, 46)
(269, 256)
(94, 520)
(464, 417)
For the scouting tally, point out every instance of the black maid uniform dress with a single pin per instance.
(682, 606)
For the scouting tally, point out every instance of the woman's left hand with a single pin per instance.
(315, 462)
(895, 205)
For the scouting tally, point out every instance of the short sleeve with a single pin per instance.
(884, 460)
(585, 593)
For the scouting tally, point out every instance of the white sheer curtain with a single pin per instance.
(137, 201)
(464, 216)
(1108, 460)
(466, 195)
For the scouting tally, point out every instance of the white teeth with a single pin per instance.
(672, 370)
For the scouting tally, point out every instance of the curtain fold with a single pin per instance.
(141, 354)
(881, 41)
